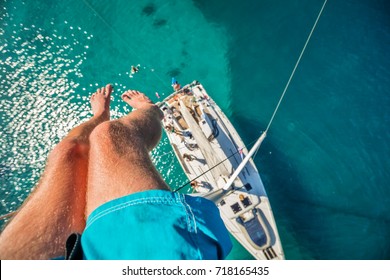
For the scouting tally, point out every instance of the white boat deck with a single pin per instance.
(207, 147)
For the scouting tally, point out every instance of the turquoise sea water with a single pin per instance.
(325, 163)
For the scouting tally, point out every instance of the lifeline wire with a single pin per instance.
(222, 161)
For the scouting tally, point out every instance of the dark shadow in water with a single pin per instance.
(149, 9)
(159, 22)
(310, 231)
(174, 72)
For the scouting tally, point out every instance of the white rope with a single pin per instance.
(296, 66)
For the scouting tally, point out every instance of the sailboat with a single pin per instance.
(220, 168)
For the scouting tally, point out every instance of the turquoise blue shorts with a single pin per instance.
(157, 225)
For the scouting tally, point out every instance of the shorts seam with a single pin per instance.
(112, 209)
(191, 226)
(191, 215)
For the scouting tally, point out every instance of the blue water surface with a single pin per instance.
(325, 161)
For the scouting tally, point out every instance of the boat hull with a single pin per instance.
(209, 149)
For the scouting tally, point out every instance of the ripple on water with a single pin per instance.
(39, 72)
(46, 60)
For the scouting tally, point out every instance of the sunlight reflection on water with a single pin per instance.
(39, 73)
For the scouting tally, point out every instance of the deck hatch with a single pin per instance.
(246, 202)
(248, 186)
(269, 253)
(236, 208)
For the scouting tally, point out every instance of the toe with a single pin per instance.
(132, 93)
(108, 90)
(126, 95)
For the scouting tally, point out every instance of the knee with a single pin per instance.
(114, 134)
(100, 134)
(126, 136)
(69, 149)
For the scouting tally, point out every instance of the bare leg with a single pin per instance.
(119, 156)
(56, 208)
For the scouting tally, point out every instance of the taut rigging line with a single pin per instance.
(273, 115)
(263, 135)
(295, 67)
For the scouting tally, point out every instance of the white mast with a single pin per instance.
(245, 161)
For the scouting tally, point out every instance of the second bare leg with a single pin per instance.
(56, 207)
(119, 157)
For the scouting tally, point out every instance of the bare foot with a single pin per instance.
(100, 102)
(138, 100)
